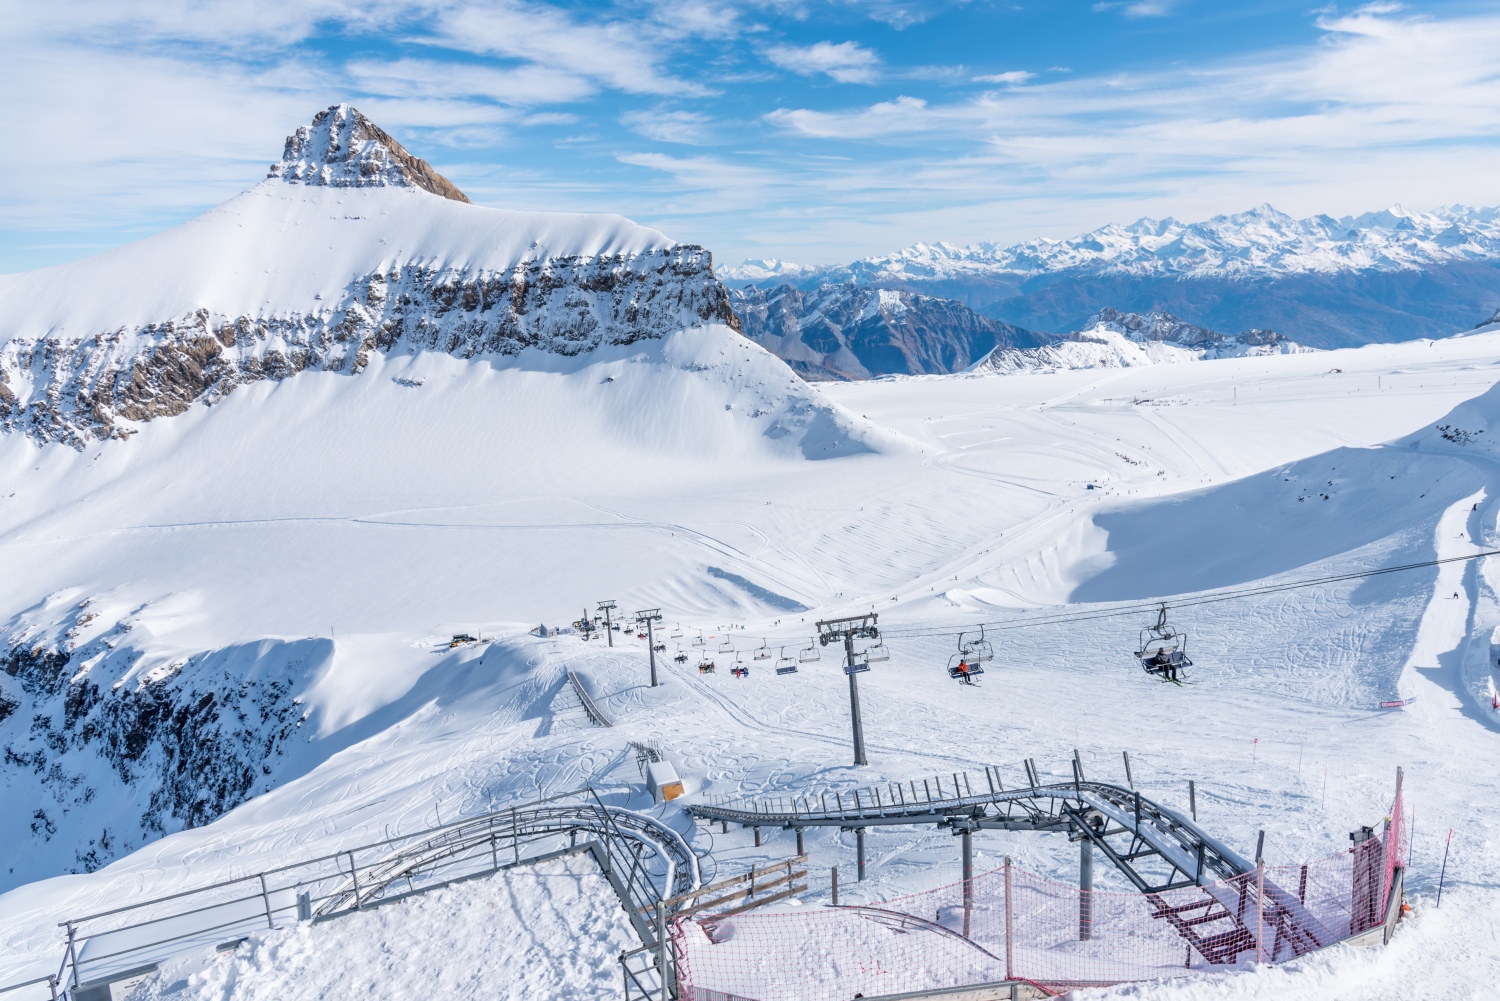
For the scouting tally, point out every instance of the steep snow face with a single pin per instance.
(1259, 243)
(344, 149)
(294, 275)
(1124, 340)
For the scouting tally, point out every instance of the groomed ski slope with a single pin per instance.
(383, 516)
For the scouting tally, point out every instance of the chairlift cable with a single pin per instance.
(1204, 598)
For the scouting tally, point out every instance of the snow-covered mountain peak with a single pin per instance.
(1261, 242)
(344, 149)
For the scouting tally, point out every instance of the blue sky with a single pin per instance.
(810, 131)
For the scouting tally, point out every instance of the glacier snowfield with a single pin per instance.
(331, 531)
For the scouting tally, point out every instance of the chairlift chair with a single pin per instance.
(978, 650)
(809, 655)
(963, 669)
(726, 647)
(1163, 650)
(680, 658)
(676, 632)
(878, 653)
(660, 648)
(705, 666)
(785, 664)
(699, 640)
(739, 669)
(764, 653)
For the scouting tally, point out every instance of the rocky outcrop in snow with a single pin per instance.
(79, 390)
(850, 332)
(109, 747)
(344, 149)
(1123, 340)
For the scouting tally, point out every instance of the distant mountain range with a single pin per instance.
(848, 331)
(1389, 275)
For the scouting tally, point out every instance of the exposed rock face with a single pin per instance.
(344, 149)
(75, 391)
(1120, 340)
(1164, 327)
(852, 332)
(109, 756)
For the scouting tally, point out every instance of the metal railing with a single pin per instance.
(643, 860)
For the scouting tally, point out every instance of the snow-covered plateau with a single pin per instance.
(227, 618)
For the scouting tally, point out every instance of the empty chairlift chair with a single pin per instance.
(785, 664)
(810, 654)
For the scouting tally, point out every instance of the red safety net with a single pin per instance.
(1021, 926)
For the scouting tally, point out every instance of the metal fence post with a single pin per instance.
(73, 952)
(266, 899)
(661, 945)
(515, 835)
(354, 876)
(1009, 913)
(1260, 908)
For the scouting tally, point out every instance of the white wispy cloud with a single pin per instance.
(690, 128)
(846, 62)
(1010, 77)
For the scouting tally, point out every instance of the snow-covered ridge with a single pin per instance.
(316, 269)
(1259, 243)
(1125, 340)
(344, 149)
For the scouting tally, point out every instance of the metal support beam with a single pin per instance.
(859, 844)
(968, 853)
(854, 714)
(1085, 890)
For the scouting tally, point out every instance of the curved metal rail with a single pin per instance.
(629, 838)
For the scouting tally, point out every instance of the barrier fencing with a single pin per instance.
(642, 859)
(1015, 925)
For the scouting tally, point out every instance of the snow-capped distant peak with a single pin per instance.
(344, 149)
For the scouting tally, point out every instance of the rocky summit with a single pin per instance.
(344, 149)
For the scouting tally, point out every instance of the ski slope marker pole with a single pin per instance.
(1444, 874)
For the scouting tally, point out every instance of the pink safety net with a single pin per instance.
(1021, 926)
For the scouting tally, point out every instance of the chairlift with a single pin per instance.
(705, 666)
(963, 668)
(739, 669)
(660, 648)
(727, 646)
(1163, 651)
(699, 640)
(764, 653)
(978, 649)
(878, 653)
(785, 664)
(681, 657)
(809, 655)
(640, 636)
(859, 666)
(676, 632)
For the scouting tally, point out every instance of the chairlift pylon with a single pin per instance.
(1163, 650)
